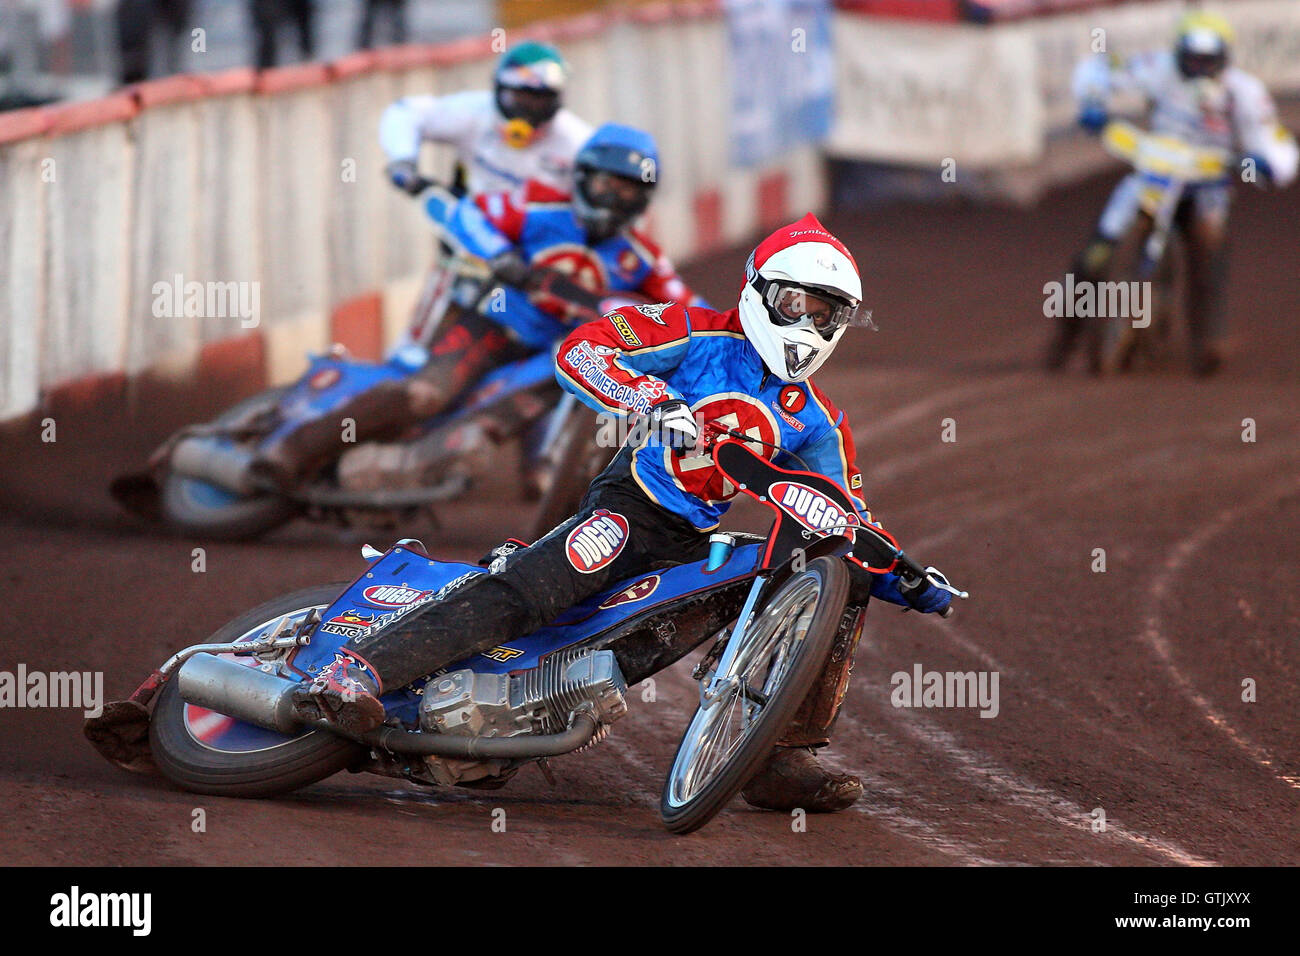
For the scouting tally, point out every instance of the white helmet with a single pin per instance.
(802, 289)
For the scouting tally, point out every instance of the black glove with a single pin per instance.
(405, 175)
(510, 268)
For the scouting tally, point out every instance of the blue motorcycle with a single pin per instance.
(766, 608)
(202, 481)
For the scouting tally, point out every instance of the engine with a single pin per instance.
(538, 701)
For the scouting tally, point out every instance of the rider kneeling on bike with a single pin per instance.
(1194, 95)
(533, 239)
(676, 365)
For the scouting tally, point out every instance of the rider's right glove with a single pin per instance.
(510, 268)
(1093, 117)
(405, 175)
(673, 423)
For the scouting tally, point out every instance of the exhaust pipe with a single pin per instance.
(255, 697)
(245, 693)
(214, 460)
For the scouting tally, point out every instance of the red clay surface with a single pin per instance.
(1119, 690)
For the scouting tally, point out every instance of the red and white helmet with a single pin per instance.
(802, 289)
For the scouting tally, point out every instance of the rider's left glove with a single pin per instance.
(926, 598)
(1093, 117)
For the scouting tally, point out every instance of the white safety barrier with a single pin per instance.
(238, 215)
(990, 97)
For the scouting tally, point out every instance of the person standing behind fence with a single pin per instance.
(394, 11)
(267, 17)
(137, 23)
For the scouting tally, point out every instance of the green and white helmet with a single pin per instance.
(529, 85)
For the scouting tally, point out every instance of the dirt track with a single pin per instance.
(1119, 690)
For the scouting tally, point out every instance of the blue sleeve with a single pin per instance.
(471, 227)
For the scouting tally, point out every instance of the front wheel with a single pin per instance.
(784, 650)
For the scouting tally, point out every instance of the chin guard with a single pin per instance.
(518, 133)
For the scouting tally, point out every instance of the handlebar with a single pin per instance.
(913, 577)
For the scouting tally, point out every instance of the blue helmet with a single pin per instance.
(614, 174)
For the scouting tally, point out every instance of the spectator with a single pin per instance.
(267, 17)
(394, 11)
(138, 22)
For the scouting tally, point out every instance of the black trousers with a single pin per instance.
(267, 16)
(617, 533)
(394, 10)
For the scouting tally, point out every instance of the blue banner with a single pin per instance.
(782, 76)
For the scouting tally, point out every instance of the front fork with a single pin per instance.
(723, 682)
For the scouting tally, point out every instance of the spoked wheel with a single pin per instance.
(730, 738)
(207, 752)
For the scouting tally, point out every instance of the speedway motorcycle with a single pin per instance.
(766, 608)
(201, 480)
(1167, 167)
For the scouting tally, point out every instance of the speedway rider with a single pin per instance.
(518, 132)
(530, 237)
(1196, 95)
(677, 364)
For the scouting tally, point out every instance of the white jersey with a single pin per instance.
(1232, 111)
(471, 122)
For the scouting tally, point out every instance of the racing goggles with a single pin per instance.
(533, 105)
(606, 190)
(793, 307)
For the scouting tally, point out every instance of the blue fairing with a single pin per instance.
(329, 382)
(410, 575)
(400, 573)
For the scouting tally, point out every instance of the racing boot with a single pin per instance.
(792, 779)
(284, 462)
(345, 693)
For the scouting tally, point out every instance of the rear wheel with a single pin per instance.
(208, 752)
(784, 651)
(194, 506)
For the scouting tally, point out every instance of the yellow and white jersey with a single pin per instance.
(1232, 111)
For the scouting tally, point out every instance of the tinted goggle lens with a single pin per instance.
(610, 191)
(793, 306)
(536, 106)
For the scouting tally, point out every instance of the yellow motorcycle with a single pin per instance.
(1167, 167)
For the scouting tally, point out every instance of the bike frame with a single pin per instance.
(404, 578)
